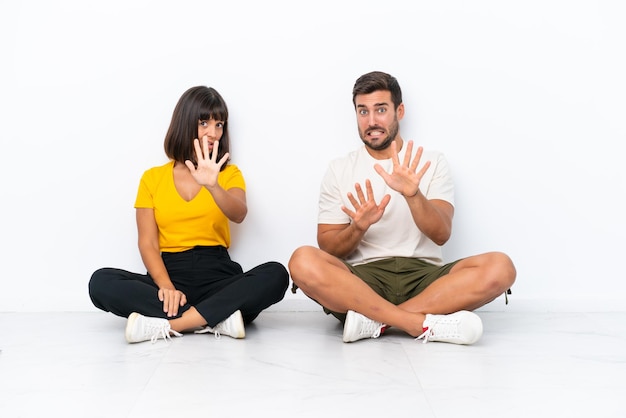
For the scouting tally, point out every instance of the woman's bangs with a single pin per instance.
(213, 109)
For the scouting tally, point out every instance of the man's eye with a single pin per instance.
(363, 112)
(382, 110)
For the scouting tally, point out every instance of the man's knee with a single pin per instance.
(501, 272)
(301, 260)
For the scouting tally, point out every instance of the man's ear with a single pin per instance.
(400, 111)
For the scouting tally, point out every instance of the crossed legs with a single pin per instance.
(471, 283)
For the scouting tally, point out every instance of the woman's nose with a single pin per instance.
(209, 132)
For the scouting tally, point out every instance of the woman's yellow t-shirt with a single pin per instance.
(184, 225)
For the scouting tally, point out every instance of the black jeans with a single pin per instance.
(214, 284)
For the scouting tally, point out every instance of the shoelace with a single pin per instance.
(425, 335)
(372, 328)
(445, 328)
(428, 332)
(209, 329)
(160, 333)
(164, 333)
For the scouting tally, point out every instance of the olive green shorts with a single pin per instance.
(397, 279)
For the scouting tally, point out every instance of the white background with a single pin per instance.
(526, 99)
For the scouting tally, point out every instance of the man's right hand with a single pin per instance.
(366, 211)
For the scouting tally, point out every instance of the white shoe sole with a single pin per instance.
(130, 323)
(239, 319)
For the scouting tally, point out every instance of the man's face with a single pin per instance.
(377, 119)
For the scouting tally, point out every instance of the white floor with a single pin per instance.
(294, 364)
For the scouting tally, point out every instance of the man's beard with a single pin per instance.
(393, 132)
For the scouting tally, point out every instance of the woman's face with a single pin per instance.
(212, 129)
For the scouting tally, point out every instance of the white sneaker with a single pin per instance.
(231, 326)
(463, 327)
(143, 328)
(357, 327)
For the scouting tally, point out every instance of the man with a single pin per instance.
(384, 213)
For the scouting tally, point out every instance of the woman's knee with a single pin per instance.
(273, 269)
(99, 287)
(98, 280)
(274, 274)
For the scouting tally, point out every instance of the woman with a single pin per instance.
(183, 211)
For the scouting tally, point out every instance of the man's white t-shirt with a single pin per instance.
(396, 234)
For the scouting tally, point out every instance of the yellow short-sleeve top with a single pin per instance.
(183, 225)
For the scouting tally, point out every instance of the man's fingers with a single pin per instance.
(359, 192)
(416, 160)
(352, 200)
(370, 191)
(407, 154)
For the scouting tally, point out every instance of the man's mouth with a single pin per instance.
(375, 132)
